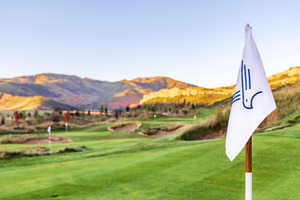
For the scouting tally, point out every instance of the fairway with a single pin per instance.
(121, 165)
(150, 100)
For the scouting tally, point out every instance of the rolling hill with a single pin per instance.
(143, 86)
(10, 102)
(87, 93)
(206, 96)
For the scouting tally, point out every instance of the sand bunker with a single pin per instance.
(39, 151)
(125, 127)
(35, 140)
(215, 135)
(161, 131)
(46, 140)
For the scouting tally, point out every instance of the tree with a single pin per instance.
(106, 111)
(36, 114)
(17, 117)
(55, 118)
(127, 109)
(21, 115)
(118, 112)
(67, 117)
(29, 114)
(193, 106)
(3, 120)
(101, 110)
(77, 113)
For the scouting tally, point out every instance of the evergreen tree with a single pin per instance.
(116, 114)
(3, 120)
(101, 110)
(106, 111)
(77, 113)
(29, 114)
(36, 114)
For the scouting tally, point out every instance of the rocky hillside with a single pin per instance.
(28, 92)
(144, 86)
(205, 96)
(85, 93)
(195, 95)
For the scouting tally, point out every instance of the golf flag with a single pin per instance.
(252, 100)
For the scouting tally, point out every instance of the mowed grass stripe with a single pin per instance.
(150, 163)
(157, 169)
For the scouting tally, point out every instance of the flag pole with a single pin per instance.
(248, 170)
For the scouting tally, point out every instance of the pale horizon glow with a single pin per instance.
(199, 42)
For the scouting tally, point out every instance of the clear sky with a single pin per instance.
(197, 41)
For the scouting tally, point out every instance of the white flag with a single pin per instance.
(252, 100)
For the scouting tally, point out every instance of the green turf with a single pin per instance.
(121, 165)
(201, 113)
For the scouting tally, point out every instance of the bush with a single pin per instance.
(287, 113)
(212, 125)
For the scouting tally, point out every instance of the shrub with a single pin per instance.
(288, 111)
(215, 124)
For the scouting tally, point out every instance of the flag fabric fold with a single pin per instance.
(252, 100)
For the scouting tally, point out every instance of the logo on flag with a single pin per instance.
(246, 93)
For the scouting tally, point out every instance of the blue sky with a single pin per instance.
(195, 41)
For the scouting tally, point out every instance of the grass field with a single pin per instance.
(122, 165)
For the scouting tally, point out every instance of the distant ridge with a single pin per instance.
(10, 102)
(85, 93)
(205, 96)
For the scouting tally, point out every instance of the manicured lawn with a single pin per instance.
(121, 165)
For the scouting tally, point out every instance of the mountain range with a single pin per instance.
(49, 90)
(36, 91)
(208, 96)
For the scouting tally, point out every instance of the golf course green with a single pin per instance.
(129, 166)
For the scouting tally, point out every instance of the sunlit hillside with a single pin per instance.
(29, 92)
(10, 102)
(158, 81)
(86, 93)
(205, 96)
(195, 95)
(290, 76)
(141, 87)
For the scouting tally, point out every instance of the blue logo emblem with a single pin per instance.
(246, 94)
